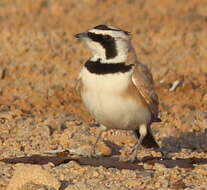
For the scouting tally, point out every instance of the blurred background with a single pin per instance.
(40, 58)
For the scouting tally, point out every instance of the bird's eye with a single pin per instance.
(107, 37)
(89, 34)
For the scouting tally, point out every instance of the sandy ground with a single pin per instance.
(39, 109)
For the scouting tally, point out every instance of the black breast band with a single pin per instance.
(107, 68)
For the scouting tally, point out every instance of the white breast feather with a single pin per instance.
(102, 98)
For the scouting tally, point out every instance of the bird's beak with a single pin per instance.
(81, 35)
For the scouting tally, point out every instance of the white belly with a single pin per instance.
(104, 102)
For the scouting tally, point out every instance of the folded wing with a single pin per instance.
(143, 80)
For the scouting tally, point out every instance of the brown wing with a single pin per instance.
(143, 80)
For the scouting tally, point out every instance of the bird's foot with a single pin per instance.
(133, 156)
(93, 151)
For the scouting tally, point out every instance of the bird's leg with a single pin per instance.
(139, 134)
(93, 152)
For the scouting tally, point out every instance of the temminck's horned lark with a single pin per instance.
(115, 87)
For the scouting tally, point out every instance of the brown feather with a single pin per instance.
(143, 82)
(142, 79)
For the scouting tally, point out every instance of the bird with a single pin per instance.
(116, 88)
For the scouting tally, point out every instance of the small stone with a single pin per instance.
(103, 149)
(202, 170)
(32, 174)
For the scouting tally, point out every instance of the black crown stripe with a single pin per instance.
(105, 27)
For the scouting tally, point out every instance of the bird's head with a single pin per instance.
(107, 43)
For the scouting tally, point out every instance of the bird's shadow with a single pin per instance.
(172, 144)
(187, 140)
